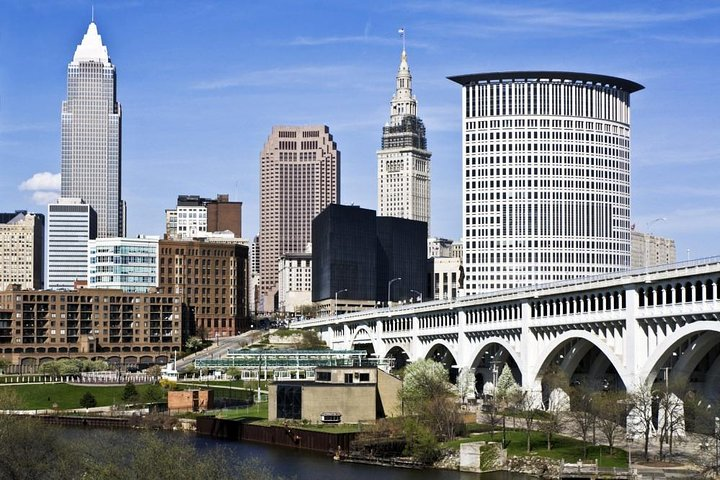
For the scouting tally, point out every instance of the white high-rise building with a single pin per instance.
(403, 160)
(91, 140)
(546, 177)
(71, 224)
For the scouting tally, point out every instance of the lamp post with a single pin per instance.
(336, 294)
(389, 284)
(418, 294)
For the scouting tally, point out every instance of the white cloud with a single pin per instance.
(43, 198)
(45, 187)
(46, 181)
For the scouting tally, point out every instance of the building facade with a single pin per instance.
(195, 216)
(211, 279)
(403, 159)
(439, 247)
(299, 177)
(22, 250)
(224, 215)
(127, 264)
(72, 223)
(443, 278)
(91, 135)
(358, 259)
(121, 328)
(294, 282)
(546, 177)
(649, 250)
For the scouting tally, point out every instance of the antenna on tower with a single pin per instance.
(402, 34)
(92, 13)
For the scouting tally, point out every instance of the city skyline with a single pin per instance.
(203, 82)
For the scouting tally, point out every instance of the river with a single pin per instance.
(302, 465)
(313, 466)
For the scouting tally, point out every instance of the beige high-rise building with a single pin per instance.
(299, 177)
(404, 160)
(22, 246)
(648, 250)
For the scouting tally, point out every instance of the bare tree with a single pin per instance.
(526, 403)
(582, 414)
(671, 412)
(556, 414)
(610, 408)
(640, 420)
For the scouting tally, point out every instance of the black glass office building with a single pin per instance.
(358, 254)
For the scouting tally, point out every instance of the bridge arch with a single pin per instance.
(399, 354)
(569, 349)
(443, 352)
(494, 352)
(364, 330)
(683, 352)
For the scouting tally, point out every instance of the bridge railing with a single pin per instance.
(458, 302)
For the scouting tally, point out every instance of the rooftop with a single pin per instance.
(548, 76)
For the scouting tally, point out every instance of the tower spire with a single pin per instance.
(92, 13)
(403, 103)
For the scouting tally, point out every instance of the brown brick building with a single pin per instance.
(222, 214)
(121, 328)
(211, 278)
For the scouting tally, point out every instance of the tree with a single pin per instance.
(582, 413)
(130, 393)
(234, 373)
(193, 344)
(507, 393)
(555, 385)
(311, 341)
(466, 384)
(154, 393)
(430, 397)
(88, 400)
(423, 380)
(671, 412)
(308, 311)
(155, 372)
(4, 364)
(611, 408)
(555, 413)
(640, 419)
(529, 412)
(420, 442)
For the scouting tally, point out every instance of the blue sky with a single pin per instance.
(201, 84)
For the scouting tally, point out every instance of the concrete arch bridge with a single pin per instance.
(615, 331)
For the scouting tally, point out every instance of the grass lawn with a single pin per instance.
(43, 396)
(258, 413)
(563, 448)
(253, 413)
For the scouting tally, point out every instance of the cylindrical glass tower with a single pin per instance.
(546, 177)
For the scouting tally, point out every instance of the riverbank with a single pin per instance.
(326, 443)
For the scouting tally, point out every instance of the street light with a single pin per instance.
(336, 294)
(389, 284)
(418, 294)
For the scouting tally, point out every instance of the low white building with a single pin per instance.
(444, 277)
(294, 281)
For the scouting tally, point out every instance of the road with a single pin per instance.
(220, 349)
